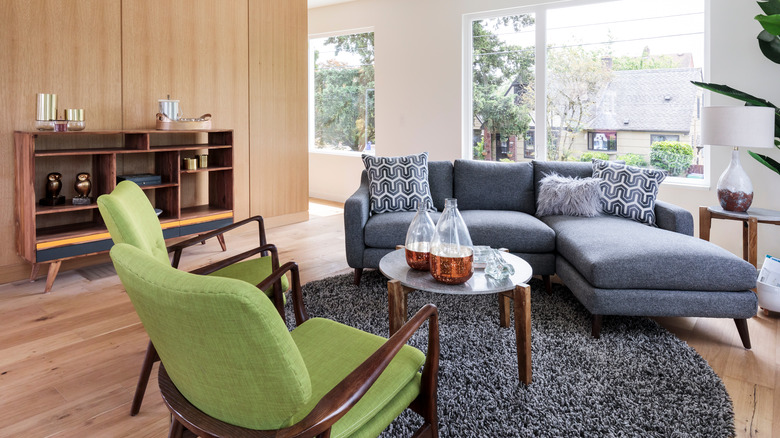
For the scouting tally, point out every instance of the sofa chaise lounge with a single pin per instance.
(613, 265)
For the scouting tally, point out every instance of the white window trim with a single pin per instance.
(310, 68)
(540, 13)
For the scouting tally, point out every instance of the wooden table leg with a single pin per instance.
(54, 268)
(750, 241)
(221, 240)
(522, 299)
(705, 221)
(396, 302)
(504, 310)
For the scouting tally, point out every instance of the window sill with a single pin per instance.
(357, 154)
(689, 183)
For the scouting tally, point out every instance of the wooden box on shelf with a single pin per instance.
(192, 201)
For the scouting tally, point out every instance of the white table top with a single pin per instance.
(394, 267)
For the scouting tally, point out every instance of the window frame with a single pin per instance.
(592, 134)
(540, 64)
(311, 109)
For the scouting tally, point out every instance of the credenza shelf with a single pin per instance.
(198, 203)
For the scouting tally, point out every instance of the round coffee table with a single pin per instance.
(404, 280)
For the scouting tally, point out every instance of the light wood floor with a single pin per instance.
(69, 359)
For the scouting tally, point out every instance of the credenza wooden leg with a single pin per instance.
(54, 268)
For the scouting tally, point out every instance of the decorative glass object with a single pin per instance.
(735, 191)
(452, 253)
(497, 268)
(418, 240)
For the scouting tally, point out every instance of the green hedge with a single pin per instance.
(589, 156)
(672, 156)
(634, 160)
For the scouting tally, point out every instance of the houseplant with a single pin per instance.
(769, 43)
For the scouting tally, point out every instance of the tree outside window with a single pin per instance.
(344, 93)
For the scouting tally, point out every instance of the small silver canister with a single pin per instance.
(170, 108)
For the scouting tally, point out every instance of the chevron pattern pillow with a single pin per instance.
(398, 183)
(628, 191)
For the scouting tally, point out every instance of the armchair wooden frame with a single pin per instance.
(186, 418)
(275, 280)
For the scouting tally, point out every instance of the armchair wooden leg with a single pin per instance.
(595, 329)
(143, 379)
(744, 334)
(358, 275)
(176, 430)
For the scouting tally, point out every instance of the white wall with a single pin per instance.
(418, 47)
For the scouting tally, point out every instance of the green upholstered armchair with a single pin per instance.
(230, 367)
(130, 218)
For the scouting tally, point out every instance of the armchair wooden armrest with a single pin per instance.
(177, 248)
(274, 279)
(339, 400)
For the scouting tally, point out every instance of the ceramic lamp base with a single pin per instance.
(735, 191)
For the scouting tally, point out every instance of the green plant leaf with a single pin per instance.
(771, 23)
(770, 7)
(770, 46)
(736, 94)
(766, 161)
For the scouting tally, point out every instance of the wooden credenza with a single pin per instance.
(192, 201)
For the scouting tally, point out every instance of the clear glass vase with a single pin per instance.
(418, 240)
(452, 253)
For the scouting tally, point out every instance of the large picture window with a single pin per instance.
(574, 79)
(342, 93)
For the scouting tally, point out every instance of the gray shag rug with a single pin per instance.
(636, 380)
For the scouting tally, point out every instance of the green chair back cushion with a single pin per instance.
(223, 344)
(130, 218)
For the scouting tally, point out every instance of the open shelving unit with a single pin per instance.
(192, 201)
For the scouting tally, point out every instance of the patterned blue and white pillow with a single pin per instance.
(398, 183)
(628, 191)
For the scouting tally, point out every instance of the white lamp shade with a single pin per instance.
(749, 126)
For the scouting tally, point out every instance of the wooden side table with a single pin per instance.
(750, 221)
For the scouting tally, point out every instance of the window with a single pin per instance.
(572, 79)
(341, 89)
(663, 137)
(603, 141)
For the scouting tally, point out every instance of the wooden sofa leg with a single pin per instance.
(744, 334)
(547, 283)
(358, 276)
(595, 329)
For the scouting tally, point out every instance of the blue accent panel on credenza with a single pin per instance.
(204, 227)
(45, 255)
(171, 232)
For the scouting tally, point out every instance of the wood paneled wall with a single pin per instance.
(278, 46)
(243, 61)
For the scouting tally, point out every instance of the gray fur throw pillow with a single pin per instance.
(562, 195)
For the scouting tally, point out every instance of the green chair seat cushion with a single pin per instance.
(331, 351)
(253, 271)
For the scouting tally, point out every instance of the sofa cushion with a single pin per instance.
(518, 232)
(617, 253)
(387, 230)
(570, 196)
(398, 183)
(628, 191)
(440, 181)
(487, 185)
(562, 168)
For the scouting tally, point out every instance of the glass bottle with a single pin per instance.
(418, 240)
(452, 253)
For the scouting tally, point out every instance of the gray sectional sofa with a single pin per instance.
(614, 266)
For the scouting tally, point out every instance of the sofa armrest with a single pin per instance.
(356, 213)
(673, 218)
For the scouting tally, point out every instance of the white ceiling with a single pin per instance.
(318, 3)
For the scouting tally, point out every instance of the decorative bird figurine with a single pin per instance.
(53, 185)
(83, 185)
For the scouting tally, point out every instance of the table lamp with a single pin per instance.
(749, 126)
